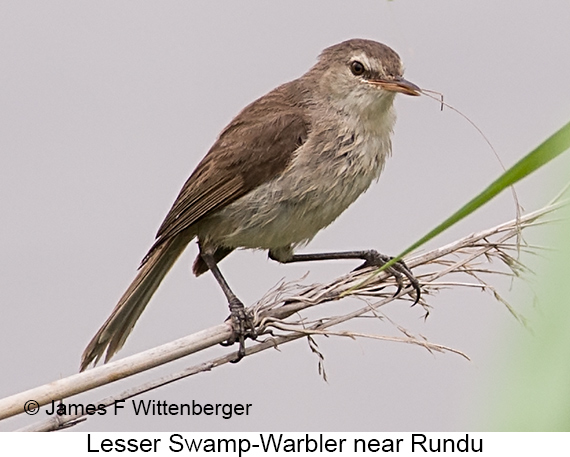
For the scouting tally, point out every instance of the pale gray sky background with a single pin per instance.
(105, 109)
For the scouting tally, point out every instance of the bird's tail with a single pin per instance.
(113, 333)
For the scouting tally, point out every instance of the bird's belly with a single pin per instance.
(291, 209)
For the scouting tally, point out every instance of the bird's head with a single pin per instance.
(361, 75)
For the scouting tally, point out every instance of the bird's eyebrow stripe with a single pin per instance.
(362, 58)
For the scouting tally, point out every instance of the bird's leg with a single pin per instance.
(242, 322)
(371, 258)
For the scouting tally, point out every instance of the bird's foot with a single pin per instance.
(399, 269)
(243, 327)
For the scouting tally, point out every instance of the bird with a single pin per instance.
(283, 169)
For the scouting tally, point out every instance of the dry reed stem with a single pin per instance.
(471, 255)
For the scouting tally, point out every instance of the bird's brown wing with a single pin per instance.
(257, 145)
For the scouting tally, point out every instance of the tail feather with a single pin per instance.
(113, 333)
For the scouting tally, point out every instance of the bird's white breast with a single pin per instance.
(336, 164)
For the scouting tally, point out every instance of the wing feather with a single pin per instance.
(254, 148)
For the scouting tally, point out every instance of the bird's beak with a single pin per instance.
(397, 85)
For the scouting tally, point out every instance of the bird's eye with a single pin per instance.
(357, 68)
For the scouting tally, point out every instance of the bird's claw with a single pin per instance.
(399, 269)
(243, 327)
